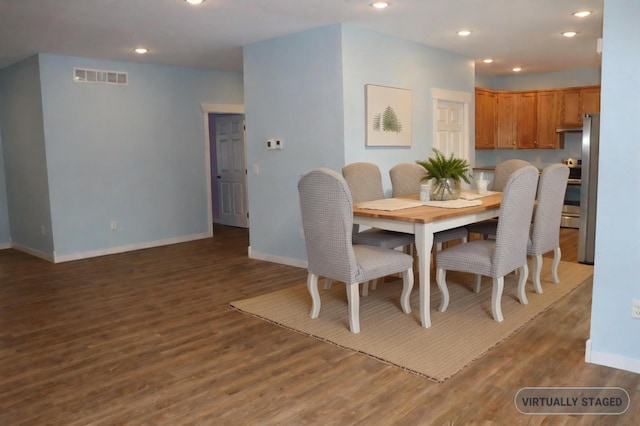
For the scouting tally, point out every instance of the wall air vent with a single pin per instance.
(83, 75)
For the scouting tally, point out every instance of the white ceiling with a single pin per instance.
(514, 32)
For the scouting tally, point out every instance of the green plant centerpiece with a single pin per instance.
(445, 175)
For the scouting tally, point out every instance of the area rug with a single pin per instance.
(461, 334)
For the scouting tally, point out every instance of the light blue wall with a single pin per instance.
(374, 58)
(614, 334)
(134, 153)
(539, 157)
(309, 90)
(293, 90)
(25, 163)
(541, 81)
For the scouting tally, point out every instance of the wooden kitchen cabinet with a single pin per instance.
(590, 100)
(506, 120)
(530, 119)
(547, 119)
(576, 102)
(516, 120)
(526, 131)
(485, 119)
(570, 108)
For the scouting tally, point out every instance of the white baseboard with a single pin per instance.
(49, 257)
(611, 360)
(5, 246)
(277, 259)
(130, 247)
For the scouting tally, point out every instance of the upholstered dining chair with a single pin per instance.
(365, 183)
(406, 179)
(327, 220)
(545, 230)
(508, 252)
(500, 177)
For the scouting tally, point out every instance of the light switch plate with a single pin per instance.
(635, 308)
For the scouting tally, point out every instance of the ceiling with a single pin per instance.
(522, 33)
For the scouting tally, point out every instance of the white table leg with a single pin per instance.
(424, 242)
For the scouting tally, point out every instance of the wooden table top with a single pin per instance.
(427, 214)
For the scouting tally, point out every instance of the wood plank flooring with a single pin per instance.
(147, 338)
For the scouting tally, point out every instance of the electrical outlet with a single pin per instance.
(271, 144)
(279, 144)
(114, 225)
(635, 308)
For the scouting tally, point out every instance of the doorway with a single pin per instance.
(210, 111)
(228, 170)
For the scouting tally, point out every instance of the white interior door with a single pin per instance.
(450, 129)
(232, 171)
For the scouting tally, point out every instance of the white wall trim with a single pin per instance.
(5, 246)
(130, 247)
(277, 259)
(37, 253)
(611, 360)
(222, 108)
(451, 95)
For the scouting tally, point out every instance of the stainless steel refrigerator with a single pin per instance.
(588, 187)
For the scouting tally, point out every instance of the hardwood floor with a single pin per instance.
(147, 337)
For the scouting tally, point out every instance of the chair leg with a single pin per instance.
(312, 286)
(441, 279)
(496, 299)
(537, 269)
(353, 298)
(365, 289)
(557, 254)
(478, 282)
(407, 286)
(522, 282)
(327, 283)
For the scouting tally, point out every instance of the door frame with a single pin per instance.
(206, 110)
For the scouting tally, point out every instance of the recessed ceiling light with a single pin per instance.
(464, 33)
(194, 1)
(582, 13)
(569, 34)
(380, 4)
(516, 69)
(487, 61)
(141, 50)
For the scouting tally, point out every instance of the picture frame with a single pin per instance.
(388, 116)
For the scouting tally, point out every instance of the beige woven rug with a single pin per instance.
(463, 333)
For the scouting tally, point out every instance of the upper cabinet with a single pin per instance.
(547, 118)
(529, 120)
(506, 119)
(590, 100)
(576, 102)
(485, 119)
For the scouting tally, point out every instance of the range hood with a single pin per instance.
(568, 129)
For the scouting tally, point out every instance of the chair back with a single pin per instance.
(406, 179)
(504, 170)
(327, 220)
(545, 231)
(516, 209)
(364, 180)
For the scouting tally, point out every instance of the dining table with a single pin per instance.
(423, 221)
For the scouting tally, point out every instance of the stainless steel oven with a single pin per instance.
(571, 207)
